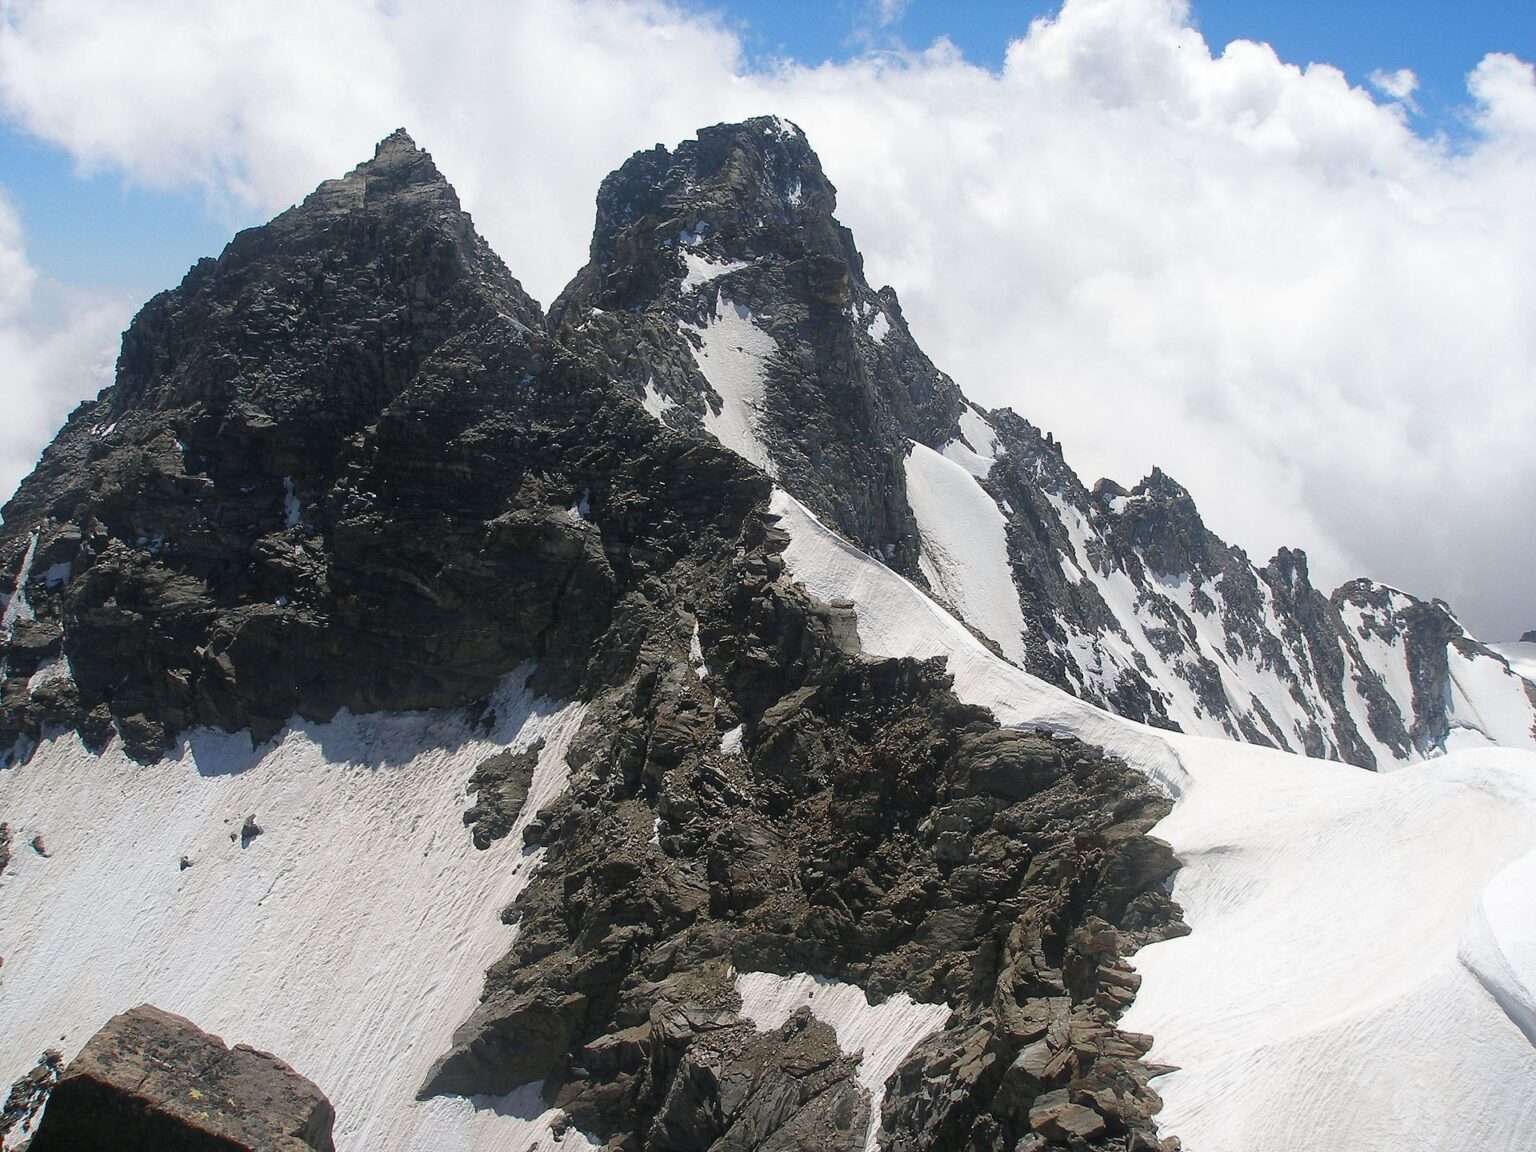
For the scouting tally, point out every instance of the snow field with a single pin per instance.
(965, 546)
(350, 937)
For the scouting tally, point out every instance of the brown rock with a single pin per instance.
(1055, 1117)
(151, 1080)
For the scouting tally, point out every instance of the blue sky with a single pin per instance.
(98, 230)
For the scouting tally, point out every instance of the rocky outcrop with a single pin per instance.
(308, 488)
(27, 1096)
(733, 233)
(862, 825)
(500, 785)
(151, 1080)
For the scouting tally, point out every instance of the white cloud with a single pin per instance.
(1399, 85)
(56, 347)
(1253, 274)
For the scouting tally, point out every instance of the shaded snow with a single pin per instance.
(975, 428)
(1521, 655)
(701, 269)
(350, 937)
(882, 1033)
(978, 466)
(654, 402)
(1488, 705)
(17, 607)
(965, 547)
(293, 511)
(732, 358)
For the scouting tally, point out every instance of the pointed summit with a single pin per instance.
(400, 171)
(735, 193)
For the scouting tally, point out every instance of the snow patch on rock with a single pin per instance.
(965, 547)
(654, 402)
(701, 269)
(732, 356)
(882, 1034)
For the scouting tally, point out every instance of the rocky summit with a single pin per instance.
(350, 468)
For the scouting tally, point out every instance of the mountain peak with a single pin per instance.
(398, 141)
(400, 172)
(735, 193)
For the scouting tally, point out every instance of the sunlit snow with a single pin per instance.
(965, 547)
(350, 937)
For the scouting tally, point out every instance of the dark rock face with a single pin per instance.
(1528, 637)
(151, 1080)
(741, 218)
(28, 1095)
(500, 784)
(869, 827)
(299, 493)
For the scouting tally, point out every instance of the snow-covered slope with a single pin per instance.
(1363, 954)
(1335, 991)
(351, 935)
(965, 547)
(1521, 655)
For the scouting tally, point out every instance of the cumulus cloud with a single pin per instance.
(1167, 252)
(1399, 85)
(56, 347)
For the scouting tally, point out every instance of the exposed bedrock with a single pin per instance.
(153, 1081)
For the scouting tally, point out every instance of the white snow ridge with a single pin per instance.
(1361, 970)
(351, 935)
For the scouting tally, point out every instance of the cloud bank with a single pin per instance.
(1251, 273)
(56, 347)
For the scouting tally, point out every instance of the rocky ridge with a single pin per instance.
(347, 465)
(723, 293)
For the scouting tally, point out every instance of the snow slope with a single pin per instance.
(965, 547)
(350, 936)
(882, 1033)
(1348, 931)
(730, 353)
(1361, 969)
(1521, 655)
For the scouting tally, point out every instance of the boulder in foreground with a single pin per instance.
(151, 1080)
